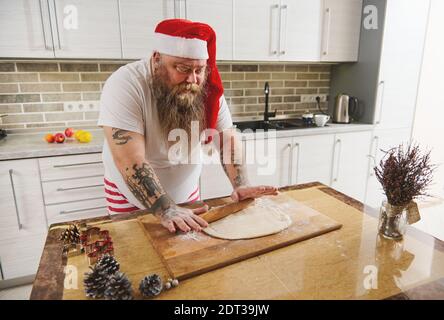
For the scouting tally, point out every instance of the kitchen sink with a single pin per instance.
(287, 124)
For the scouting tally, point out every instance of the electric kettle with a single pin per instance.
(345, 107)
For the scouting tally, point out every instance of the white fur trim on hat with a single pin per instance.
(180, 47)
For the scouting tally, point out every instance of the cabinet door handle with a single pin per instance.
(50, 23)
(373, 156)
(297, 163)
(338, 142)
(282, 29)
(15, 199)
(186, 12)
(327, 34)
(273, 43)
(290, 163)
(83, 209)
(43, 27)
(76, 164)
(81, 187)
(1, 270)
(57, 25)
(380, 84)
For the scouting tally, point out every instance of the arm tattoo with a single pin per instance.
(121, 136)
(239, 178)
(146, 187)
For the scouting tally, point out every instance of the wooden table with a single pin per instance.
(342, 264)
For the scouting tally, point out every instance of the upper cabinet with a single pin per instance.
(340, 30)
(252, 30)
(219, 15)
(85, 29)
(271, 30)
(25, 29)
(400, 66)
(140, 17)
(60, 29)
(138, 20)
(256, 25)
(299, 30)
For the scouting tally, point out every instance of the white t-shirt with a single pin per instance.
(127, 103)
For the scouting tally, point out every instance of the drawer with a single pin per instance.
(73, 190)
(76, 210)
(68, 167)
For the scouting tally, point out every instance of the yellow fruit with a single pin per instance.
(85, 137)
(78, 133)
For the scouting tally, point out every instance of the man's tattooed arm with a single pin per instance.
(145, 185)
(230, 151)
(120, 136)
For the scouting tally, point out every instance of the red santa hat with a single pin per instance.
(193, 40)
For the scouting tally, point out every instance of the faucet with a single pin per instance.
(266, 113)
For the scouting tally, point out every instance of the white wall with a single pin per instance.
(428, 127)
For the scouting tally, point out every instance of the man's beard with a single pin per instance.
(179, 105)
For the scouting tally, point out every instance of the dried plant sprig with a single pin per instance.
(404, 174)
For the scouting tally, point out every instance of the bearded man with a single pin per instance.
(142, 102)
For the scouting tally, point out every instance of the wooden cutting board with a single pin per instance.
(189, 254)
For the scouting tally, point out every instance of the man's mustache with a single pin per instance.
(191, 87)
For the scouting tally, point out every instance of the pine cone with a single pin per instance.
(95, 282)
(151, 285)
(109, 264)
(118, 287)
(71, 235)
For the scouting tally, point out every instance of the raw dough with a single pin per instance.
(262, 219)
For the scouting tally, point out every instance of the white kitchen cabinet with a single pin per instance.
(276, 30)
(22, 213)
(268, 161)
(219, 15)
(73, 187)
(312, 159)
(300, 30)
(350, 163)
(290, 160)
(214, 182)
(340, 30)
(256, 30)
(22, 218)
(382, 140)
(400, 65)
(25, 29)
(138, 19)
(86, 29)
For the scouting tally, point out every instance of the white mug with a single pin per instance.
(321, 119)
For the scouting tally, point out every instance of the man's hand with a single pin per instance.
(183, 218)
(244, 192)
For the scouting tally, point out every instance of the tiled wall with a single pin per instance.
(32, 92)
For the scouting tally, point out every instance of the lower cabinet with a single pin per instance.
(22, 218)
(37, 193)
(268, 161)
(350, 163)
(214, 182)
(337, 160)
(382, 140)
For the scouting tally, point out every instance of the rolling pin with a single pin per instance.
(225, 210)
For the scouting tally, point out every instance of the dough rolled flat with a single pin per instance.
(252, 222)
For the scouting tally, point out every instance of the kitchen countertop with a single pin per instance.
(33, 145)
(330, 128)
(350, 263)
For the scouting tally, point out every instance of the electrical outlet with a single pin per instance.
(75, 106)
(312, 97)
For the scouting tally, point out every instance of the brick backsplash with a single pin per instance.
(32, 92)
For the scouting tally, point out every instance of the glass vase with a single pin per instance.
(392, 221)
